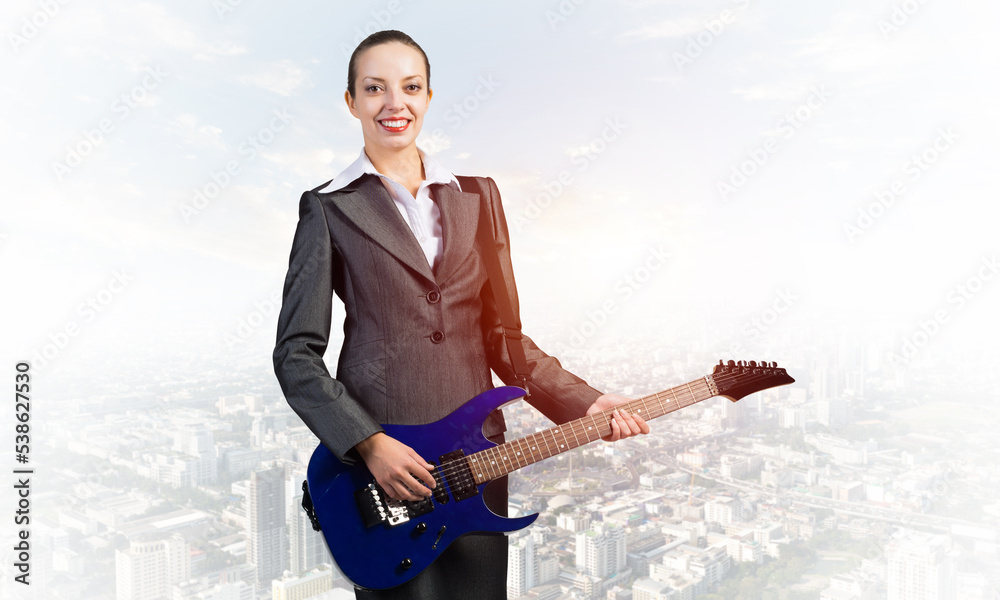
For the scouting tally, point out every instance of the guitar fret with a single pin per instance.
(491, 462)
(514, 463)
(483, 464)
(519, 456)
(473, 464)
(526, 451)
(688, 385)
(576, 438)
(553, 447)
(592, 429)
(561, 447)
(674, 395)
(644, 407)
(534, 447)
(502, 460)
(496, 462)
(537, 439)
(555, 440)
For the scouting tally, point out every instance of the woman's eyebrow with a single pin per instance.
(381, 80)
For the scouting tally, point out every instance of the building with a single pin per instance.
(724, 510)
(196, 440)
(739, 466)
(267, 541)
(307, 549)
(650, 589)
(302, 587)
(833, 412)
(150, 566)
(919, 568)
(601, 552)
(522, 566)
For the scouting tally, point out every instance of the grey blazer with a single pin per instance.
(418, 343)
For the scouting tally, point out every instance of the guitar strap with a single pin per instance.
(498, 285)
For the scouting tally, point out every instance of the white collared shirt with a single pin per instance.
(421, 213)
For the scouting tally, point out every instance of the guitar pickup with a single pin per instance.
(459, 475)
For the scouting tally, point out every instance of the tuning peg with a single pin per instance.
(753, 364)
(731, 363)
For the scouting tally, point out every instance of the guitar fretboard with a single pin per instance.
(487, 465)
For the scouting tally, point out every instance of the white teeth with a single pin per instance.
(394, 124)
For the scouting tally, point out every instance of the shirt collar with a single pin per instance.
(434, 172)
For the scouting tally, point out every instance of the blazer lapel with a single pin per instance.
(367, 204)
(459, 220)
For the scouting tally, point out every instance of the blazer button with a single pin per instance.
(433, 296)
(437, 337)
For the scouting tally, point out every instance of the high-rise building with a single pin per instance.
(307, 550)
(601, 551)
(919, 567)
(522, 564)
(734, 414)
(150, 565)
(267, 542)
(196, 440)
(833, 412)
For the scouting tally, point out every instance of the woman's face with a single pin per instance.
(390, 96)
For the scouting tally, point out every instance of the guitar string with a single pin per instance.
(450, 468)
(501, 451)
(455, 466)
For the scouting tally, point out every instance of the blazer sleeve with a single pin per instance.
(322, 402)
(558, 394)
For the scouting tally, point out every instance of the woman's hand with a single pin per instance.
(401, 472)
(623, 423)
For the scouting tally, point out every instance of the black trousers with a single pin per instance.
(474, 567)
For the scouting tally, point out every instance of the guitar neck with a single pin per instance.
(487, 465)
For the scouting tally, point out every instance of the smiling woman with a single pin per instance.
(394, 235)
(388, 90)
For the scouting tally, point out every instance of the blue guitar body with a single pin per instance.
(378, 549)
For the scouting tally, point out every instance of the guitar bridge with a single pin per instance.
(377, 507)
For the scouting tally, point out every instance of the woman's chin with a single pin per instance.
(393, 142)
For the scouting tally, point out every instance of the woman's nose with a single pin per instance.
(393, 99)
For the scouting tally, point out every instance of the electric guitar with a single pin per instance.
(379, 542)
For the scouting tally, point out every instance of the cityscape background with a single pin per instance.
(684, 182)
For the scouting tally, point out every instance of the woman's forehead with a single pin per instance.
(391, 59)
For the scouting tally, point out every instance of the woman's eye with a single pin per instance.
(413, 87)
(372, 88)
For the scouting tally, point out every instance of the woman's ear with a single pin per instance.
(350, 103)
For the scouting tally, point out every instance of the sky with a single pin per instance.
(692, 165)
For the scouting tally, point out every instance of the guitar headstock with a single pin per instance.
(735, 380)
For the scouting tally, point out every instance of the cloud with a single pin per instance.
(671, 28)
(283, 77)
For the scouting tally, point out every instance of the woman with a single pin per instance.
(394, 236)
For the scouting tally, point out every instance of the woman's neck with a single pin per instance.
(402, 166)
